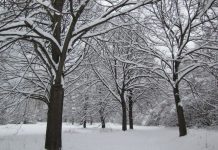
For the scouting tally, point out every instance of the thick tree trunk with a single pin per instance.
(180, 113)
(55, 108)
(130, 113)
(124, 116)
(54, 119)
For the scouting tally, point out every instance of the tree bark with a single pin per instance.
(180, 113)
(55, 107)
(85, 113)
(54, 118)
(72, 121)
(179, 108)
(91, 120)
(56, 26)
(102, 119)
(124, 116)
(84, 123)
(130, 112)
(102, 122)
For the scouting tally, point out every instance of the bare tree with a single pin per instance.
(120, 77)
(174, 39)
(56, 26)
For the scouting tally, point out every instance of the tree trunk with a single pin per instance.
(72, 121)
(179, 108)
(102, 122)
(124, 116)
(91, 120)
(55, 107)
(102, 119)
(130, 112)
(180, 113)
(54, 118)
(84, 123)
(85, 113)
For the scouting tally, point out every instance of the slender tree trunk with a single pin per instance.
(124, 115)
(91, 120)
(72, 121)
(54, 119)
(180, 113)
(85, 112)
(84, 123)
(102, 122)
(102, 119)
(179, 108)
(130, 112)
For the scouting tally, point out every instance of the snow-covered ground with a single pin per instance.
(31, 137)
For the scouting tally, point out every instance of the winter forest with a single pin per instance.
(73, 69)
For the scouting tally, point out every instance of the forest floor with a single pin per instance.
(31, 137)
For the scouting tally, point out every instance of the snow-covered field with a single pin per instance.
(31, 137)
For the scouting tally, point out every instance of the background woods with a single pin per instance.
(150, 62)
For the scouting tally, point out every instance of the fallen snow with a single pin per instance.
(31, 137)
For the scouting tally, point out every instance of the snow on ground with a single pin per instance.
(31, 137)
